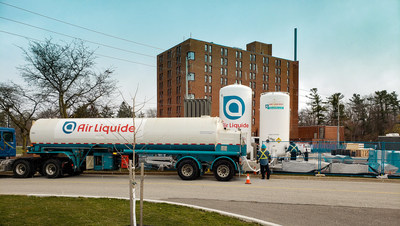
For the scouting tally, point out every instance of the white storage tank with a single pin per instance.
(275, 121)
(235, 110)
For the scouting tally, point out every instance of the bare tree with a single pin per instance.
(151, 113)
(20, 106)
(66, 75)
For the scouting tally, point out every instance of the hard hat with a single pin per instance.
(263, 146)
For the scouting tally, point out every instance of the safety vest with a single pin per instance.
(264, 154)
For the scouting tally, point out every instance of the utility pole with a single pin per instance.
(338, 123)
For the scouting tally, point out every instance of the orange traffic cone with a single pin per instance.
(255, 172)
(248, 179)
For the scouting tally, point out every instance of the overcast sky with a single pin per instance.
(343, 46)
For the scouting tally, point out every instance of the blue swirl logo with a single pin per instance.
(233, 107)
(69, 127)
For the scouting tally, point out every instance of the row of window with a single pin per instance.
(207, 78)
(239, 54)
(207, 58)
(238, 64)
(252, 57)
(208, 48)
(224, 61)
(224, 52)
(224, 71)
(253, 67)
(208, 68)
(207, 89)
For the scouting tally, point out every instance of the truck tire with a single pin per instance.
(188, 170)
(223, 170)
(52, 168)
(23, 169)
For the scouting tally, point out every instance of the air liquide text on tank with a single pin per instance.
(275, 121)
(235, 110)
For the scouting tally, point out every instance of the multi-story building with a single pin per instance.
(210, 66)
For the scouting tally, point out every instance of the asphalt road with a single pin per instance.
(281, 200)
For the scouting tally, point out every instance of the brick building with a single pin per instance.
(320, 133)
(211, 67)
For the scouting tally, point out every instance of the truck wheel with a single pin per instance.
(52, 168)
(188, 170)
(223, 170)
(23, 169)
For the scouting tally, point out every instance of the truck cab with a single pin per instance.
(7, 142)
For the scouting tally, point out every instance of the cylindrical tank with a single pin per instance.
(235, 110)
(169, 131)
(275, 121)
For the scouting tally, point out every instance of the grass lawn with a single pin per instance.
(24, 210)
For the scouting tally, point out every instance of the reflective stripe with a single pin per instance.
(263, 155)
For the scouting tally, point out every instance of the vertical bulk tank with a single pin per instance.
(235, 110)
(275, 121)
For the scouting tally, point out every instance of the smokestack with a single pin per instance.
(295, 44)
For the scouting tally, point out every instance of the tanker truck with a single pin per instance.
(70, 146)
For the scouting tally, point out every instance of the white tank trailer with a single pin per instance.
(194, 144)
(275, 121)
(235, 110)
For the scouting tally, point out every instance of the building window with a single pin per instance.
(226, 52)
(287, 64)
(205, 89)
(237, 64)
(287, 73)
(240, 74)
(226, 62)
(226, 81)
(210, 49)
(209, 79)
(209, 89)
(205, 78)
(190, 55)
(205, 58)
(222, 71)
(209, 58)
(205, 47)
(237, 54)
(169, 64)
(222, 51)
(240, 64)
(240, 55)
(205, 68)
(254, 103)
(190, 76)
(225, 71)
(254, 112)
(222, 81)
(222, 61)
(253, 121)
(236, 74)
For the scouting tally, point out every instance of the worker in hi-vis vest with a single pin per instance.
(264, 157)
(293, 149)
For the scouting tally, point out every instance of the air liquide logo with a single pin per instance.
(274, 106)
(69, 127)
(233, 107)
